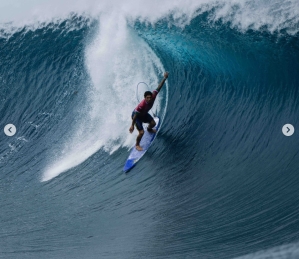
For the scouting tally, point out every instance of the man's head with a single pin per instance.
(148, 96)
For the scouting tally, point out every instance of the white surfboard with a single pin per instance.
(145, 143)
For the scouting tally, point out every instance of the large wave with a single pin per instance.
(116, 61)
(220, 181)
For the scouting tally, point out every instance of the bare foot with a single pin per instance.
(139, 148)
(151, 130)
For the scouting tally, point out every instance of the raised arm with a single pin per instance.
(163, 81)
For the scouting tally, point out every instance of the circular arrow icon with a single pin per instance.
(288, 130)
(10, 130)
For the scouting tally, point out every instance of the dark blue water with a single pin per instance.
(220, 180)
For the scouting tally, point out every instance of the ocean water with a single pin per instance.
(219, 181)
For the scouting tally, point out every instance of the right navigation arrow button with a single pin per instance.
(288, 130)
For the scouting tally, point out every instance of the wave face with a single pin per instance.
(220, 180)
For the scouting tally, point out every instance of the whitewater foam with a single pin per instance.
(288, 251)
(116, 60)
(241, 14)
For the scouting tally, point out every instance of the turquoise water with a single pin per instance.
(219, 181)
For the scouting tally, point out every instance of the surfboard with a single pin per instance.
(146, 141)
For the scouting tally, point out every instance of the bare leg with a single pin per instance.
(150, 127)
(139, 137)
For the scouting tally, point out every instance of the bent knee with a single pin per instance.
(153, 123)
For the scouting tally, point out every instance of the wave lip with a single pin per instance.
(244, 15)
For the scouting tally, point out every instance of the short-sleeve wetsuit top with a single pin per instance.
(143, 107)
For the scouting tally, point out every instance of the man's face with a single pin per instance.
(148, 98)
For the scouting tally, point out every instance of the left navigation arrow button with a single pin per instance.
(10, 130)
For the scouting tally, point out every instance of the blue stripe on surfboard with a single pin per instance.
(145, 143)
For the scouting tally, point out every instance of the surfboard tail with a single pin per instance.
(146, 141)
(130, 163)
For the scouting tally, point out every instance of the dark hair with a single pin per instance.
(148, 93)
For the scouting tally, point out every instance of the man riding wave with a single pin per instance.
(140, 114)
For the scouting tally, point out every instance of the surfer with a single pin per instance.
(140, 114)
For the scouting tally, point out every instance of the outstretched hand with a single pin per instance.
(166, 75)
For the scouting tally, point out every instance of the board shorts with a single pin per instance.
(144, 119)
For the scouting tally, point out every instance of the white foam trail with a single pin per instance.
(289, 251)
(116, 60)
